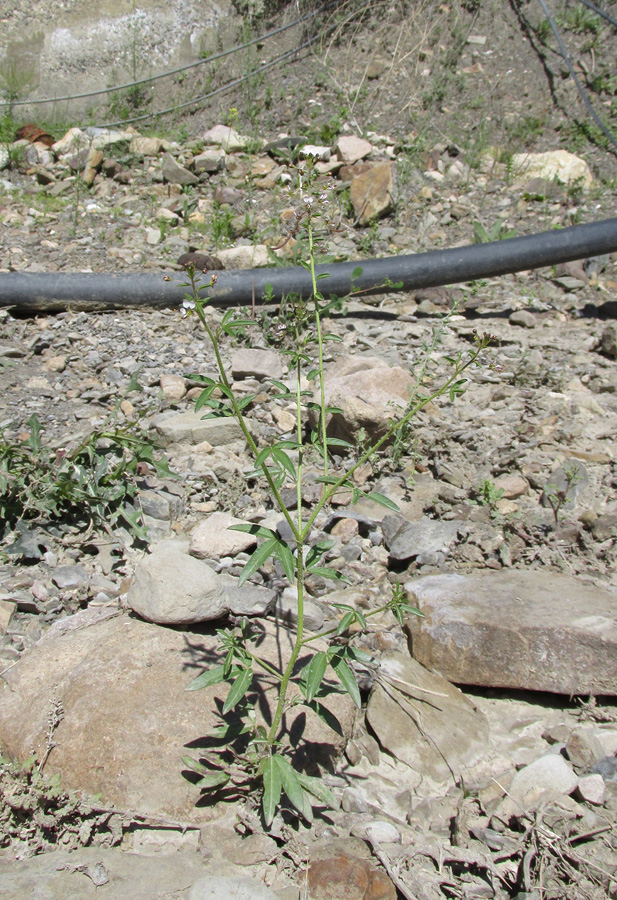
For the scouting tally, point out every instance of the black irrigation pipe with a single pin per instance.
(53, 292)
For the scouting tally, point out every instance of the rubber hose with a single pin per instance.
(53, 292)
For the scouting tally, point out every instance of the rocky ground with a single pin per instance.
(483, 761)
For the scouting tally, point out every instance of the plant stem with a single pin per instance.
(322, 390)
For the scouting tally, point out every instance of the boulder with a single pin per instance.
(172, 588)
(174, 173)
(372, 193)
(407, 540)
(424, 721)
(533, 630)
(128, 716)
(191, 428)
(213, 539)
(553, 165)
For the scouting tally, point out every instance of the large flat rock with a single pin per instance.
(533, 630)
(127, 714)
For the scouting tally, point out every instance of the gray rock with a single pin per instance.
(583, 747)
(122, 684)
(190, 427)
(287, 610)
(406, 540)
(550, 774)
(424, 721)
(209, 161)
(212, 539)
(533, 630)
(248, 362)
(172, 588)
(608, 341)
(174, 173)
(222, 888)
(160, 505)
(67, 577)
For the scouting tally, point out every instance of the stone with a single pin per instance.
(122, 683)
(209, 161)
(550, 774)
(227, 138)
(372, 193)
(608, 341)
(245, 257)
(190, 427)
(163, 841)
(220, 887)
(146, 146)
(348, 877)
(212, 538)
(583, 747)
(73, 141)
(524, 318)
(572, 479)
(174, 173)
(131, 876)
(173, 387)
(350, 148)
(249, 362)
(532, 630)
(369, 393)
(287, 610)
(317, 152)
(67, 577)
(172, 588)
(554, 164)
(424, 721)
(512, 486)
(406, 540)
(591, 789)
(7, 608)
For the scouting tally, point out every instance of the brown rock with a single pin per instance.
(350, 878)
(127, 713)
(371, 193)
(202, 261)
(533, 630)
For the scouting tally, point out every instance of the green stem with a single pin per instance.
(322, 390)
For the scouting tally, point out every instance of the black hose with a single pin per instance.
(52, 292)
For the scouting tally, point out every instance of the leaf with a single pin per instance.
(286, 558)
(291, 785)
(326, 716)
(238, 689)
(195, 766)
(272, 789)
(252, 528)
(213, 780)
(356, 273)
(211, 676)
(283, 460)
(314, 674)
(382, 500)
(318, 789)
(347, 679)
(257, 559)
(327, 572)
(347, 620)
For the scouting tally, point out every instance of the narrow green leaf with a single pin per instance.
(282, 459)
(286, 558)
(252, 528)
(338, 442)
(213, 780)
(326, 716)
(211, 676)
(272, 789)
(356, 273)
(238, 689)
(327, 572)
(382, 500)
(291, 785)
(315, 672)
(195, 766)
(347, 679)
(318, 789)
(257, 559)
(347, 620)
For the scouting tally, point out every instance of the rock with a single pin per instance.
(424, 721)
(245, 257)
(189, 427)
(173, 387)
(146, 146)
(174, 173)
(591, 789)
(532, 630)
(131, 876)
(348, 877)
(67, 577)
(321, 153)
(369, 393)
(350, 148)
(227, 138)
(549, 773)
(172, 588)
(571, 479)
(583, 748)
(608, 341)
(372, 193)
(212, 538)
(7, 608)
(248, 362)
(524, 318)
(287, 610)
(554, 164)
(122, 684)
(382, 832)
(209, 161)
(73, 141)
(406, 540)
(512, 486)
(220, 887)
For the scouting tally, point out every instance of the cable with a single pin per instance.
(579, 86)
(200, 62)
(219, 90)
(599, 12)
(29, 293)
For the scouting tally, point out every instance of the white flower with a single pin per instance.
(187, 306)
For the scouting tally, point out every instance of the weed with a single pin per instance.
(557, 497)
(95, 482)
(489, 494)
(498, 231)
(221, 229)
(251, 757)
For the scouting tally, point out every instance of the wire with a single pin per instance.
(200, 62)
(599, 12)
(220, 90)
(579, 86)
